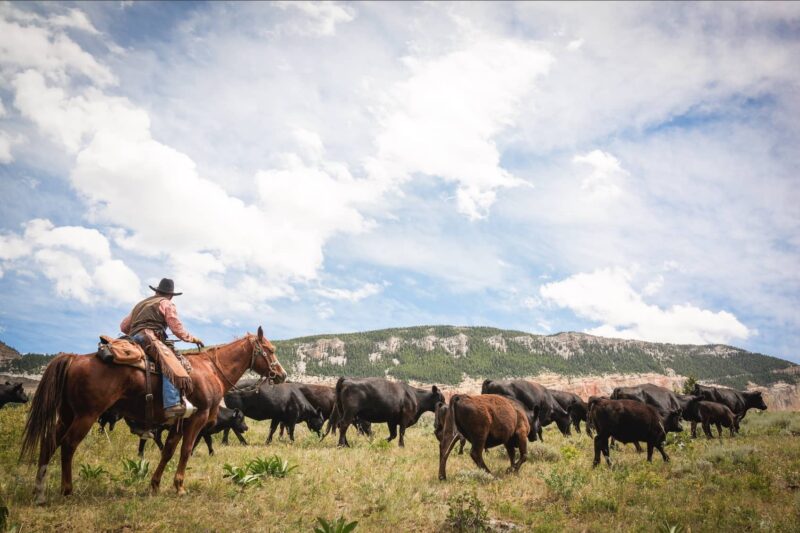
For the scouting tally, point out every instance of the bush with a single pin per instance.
(134, 471)
(563, 483)
(467, 514)
(254, 472)
(541, 452)
(338, 526)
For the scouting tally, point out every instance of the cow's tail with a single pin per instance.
(336, 413)
(455, 402)
(40, 428)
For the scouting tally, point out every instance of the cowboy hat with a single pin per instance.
(166, 286)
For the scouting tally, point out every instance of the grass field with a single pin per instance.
(749, 483)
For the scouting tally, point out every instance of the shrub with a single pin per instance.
(89, 472)
(340, 525)
(467, 514)
(569, 452)
(564, 482)
(540, 452)
(134, 471)
(254, 472)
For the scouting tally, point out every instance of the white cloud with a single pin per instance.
(355, 295)
(5, 148)
(77, 260)
(604, 180)
(320, 18)
(442, 121)
(74, 18)
(606, 296)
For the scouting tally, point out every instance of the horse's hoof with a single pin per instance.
(154, 488)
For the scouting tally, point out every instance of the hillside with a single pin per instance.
(7, 353)
(446, 354)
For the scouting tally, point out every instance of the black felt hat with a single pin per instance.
(166, 286)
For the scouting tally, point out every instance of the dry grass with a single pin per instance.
(750, 483)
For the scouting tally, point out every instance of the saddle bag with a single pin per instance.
(120, 351)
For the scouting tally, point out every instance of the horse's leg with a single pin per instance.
(191, 428)
(64, 421)
(166, 454)
(72, 438)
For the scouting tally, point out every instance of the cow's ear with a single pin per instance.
(435, 389)
(260, 333)
(18, 386)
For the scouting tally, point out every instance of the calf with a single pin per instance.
(739, 402)
(12, 393)
(577, 408)
(380, 400)
(110, 419)
(542, 408)
(629, 421)
(719, 415)
(227, 420)
(440, 414)
(486, 421)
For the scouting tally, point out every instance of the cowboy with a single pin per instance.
(156, 314)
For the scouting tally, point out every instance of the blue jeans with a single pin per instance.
(169, 392)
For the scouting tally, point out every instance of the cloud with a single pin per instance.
(442, 121)
(355, 295)
(76, 259)
(604, 180)
(606, 296)
(320, 18)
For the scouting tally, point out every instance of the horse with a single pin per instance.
(76, 389)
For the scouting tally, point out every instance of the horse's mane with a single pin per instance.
(195, 352)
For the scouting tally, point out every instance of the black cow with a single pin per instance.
(12, 393)
(440, 415)
(227, 420)
(662, 399)
(739, 402)
(629, 421)
(578, 409)
(278, 403)
(323, 397)
(110, 419)
(380, 400)
(542, 408)
(719, 415)
(691, 411)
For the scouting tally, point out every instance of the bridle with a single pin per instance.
(258, 350)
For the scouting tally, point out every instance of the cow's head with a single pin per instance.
(707, 393)
(238, 421)
(439, 414)
(672, 421)
(562, 420)
(755, 399)
(533, 422)
(17, 394)
(429, 400)
(315, 422)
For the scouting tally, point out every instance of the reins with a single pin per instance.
(211, 355)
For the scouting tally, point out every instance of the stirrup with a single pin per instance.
(190, 408)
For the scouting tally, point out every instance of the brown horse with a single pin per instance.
(76, 389)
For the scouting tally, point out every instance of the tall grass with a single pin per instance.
(751, 482)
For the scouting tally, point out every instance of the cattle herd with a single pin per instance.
(507, 412)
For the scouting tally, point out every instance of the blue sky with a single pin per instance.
(627, 170)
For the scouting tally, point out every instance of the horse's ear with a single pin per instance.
(260, 333)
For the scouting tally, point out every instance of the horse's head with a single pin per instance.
(265, 362)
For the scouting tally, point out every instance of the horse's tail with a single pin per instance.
(335, 414)
(40, 428)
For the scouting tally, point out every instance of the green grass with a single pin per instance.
(749, 483)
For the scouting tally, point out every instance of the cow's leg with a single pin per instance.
(209, 443)
(157, 438)
(539, 432)
(694, 429)
(273, 425)
(240, 437)
(402, 435)
(280, 432)
(637, 446)
(597, 449)
(344, 422)
(511, 450)
(78, 429)
(142, 443)
(196, 442)
(463, 442)
(477, 454)
(173, 437)
(707, 429)
(731, 428)
(660, 448)
(650, 447)
(225, 436)
(290, 430)
(191, 428)
(719, 430)
(392, 431)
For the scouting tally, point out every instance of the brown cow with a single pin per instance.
(486, 421)
(719, 415)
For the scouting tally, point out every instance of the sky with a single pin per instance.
(627, 170)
